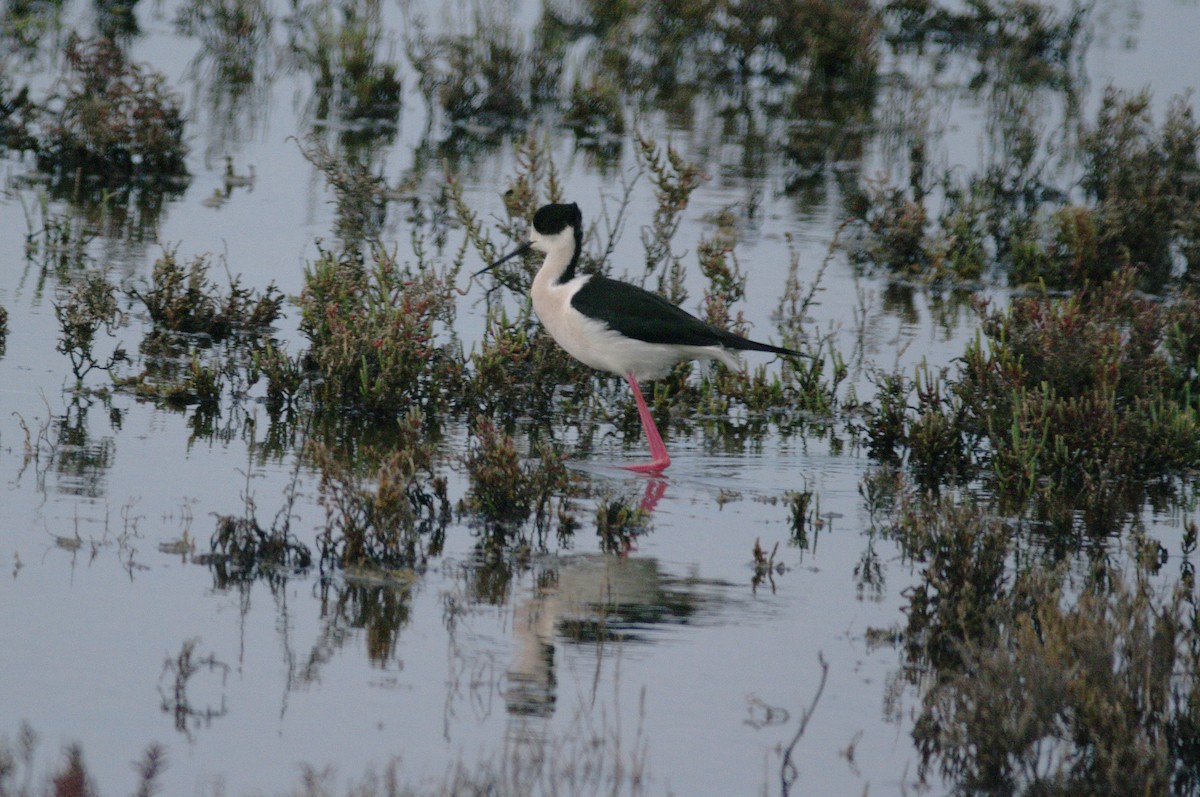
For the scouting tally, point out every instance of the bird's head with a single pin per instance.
(555, 227)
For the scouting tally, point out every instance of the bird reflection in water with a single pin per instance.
(593, 600)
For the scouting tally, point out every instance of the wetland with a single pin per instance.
(292, 504)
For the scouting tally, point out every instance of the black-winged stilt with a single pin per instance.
(614, 326)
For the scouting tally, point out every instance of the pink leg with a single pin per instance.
(654, 491)
(659, 459)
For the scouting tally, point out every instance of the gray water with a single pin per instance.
(704, 682)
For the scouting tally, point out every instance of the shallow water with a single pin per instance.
(668, 651)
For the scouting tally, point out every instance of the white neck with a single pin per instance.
(560, 251)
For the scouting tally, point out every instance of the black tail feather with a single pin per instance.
(745, 344)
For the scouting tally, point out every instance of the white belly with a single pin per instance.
(594, 344)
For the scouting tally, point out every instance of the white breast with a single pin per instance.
(592, 342)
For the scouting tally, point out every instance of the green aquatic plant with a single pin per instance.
(535, 181)
(87, 306)
(1039, 675)
(236, 35)
(352, 82)
(1146, 183)
(1078, 398)
(234, 67)
(17, 114)
(1095, 695)
(499, 488)
(189, 313)
(182, 299)
(487, 76)
(110, 137)
(1086, 402)
(360, 190)
(72, 777)
(765, 565)
(202, 385)
(117, 19)
(111, 119)
(594, 110)
(30, 28)
(619, 523)
(504, 488)
(1140, 182)
(963, 555)
(804, 517)
(59, 242)
(674, 179)
(668, 50)
(201, 338)
(518, 370)
(897, 227)
(821, 45)
(376, 603)
(285, 376)
(1013, 41)
(373, 332)
(918, 421)
(79, 456)
(808, 69)
(242, 548)
(385, 508)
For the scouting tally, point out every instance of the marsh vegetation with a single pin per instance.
(990, 451)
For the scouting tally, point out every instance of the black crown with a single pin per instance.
(553, 219)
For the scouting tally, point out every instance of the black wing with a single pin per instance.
(639, 314)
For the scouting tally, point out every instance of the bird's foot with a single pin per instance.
(652, 468)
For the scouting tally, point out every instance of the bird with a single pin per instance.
(614, 326)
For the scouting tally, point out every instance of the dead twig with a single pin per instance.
(787, 770)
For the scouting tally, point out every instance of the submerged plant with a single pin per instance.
(963, 554)
(250, 549)
(1040, 675)
(360, 190)
(61, 242)
(804, 518)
